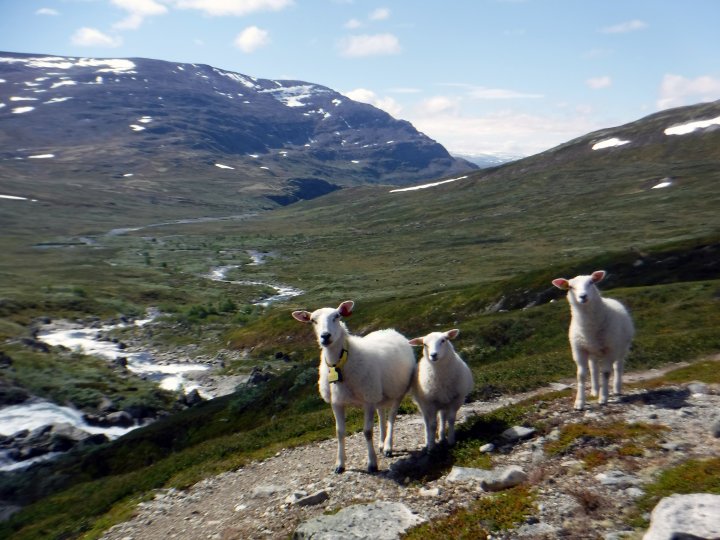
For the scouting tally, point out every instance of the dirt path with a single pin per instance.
(256, 501)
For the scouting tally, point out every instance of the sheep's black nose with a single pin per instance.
(433, 356)
(325, 337)
(583, 298)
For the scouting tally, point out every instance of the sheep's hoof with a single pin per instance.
(339, 469)
(579, 406)
(372, 468)
(388, 453)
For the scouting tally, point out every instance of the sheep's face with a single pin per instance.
(327, 322)
(436, 345)
(581, 289)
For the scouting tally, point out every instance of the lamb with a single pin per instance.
(601, 331)
(373, 372)
(441, 384)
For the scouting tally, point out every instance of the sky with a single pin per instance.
(511, 77)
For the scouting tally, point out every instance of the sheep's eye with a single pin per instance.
(337, 316)
(313, 321)
(442, 341)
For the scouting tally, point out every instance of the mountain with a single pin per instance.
(152, 127)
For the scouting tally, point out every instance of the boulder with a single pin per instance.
(490, 480)
(379, 520)
(685, 516)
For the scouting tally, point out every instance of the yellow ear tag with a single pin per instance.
(334, 375)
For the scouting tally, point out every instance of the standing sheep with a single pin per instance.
(442, 382)
(373, 372)
(601, 331)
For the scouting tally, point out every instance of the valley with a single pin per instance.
(223, 267)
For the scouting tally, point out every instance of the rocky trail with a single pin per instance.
(296, 492)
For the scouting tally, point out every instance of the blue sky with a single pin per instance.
(478, 76)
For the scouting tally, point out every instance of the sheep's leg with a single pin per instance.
(593, 377)
(382, 424)
(388, 439)
(368, 432)
(618, 367)
(451, 415)
(441, 425)
(430, 418)
(581, 359)
(604, 383)
(339, 412)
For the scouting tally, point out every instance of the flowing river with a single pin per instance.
(92, 341)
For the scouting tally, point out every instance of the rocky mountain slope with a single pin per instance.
(150, 126)
(585, 487)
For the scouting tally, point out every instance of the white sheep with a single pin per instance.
(441, 384)
(601, 331)
(373, 372)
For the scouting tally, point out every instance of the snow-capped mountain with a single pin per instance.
(151, 120)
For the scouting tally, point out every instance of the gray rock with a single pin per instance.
(487, 448)
(685, 516)
(379, 520)
(493, 480)
(313, 499)
(517, 433)
(698, 388)
(616, 479)
(716, 429)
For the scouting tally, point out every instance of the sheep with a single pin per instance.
(441, 384)
(373, 372)
(601, 331)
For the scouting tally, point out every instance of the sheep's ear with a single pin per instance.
(561, 283)
(452, 334)
(598, 275)
(416, 342)
(346, 308)
(302, 316)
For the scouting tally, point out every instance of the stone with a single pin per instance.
(715, 429)
(517, 433)
(266, 491)
(487, 448)
(685, 516)
(429, 492)
(490, 480)
(616, 479)
(379, 520)
(698, 388)
(313, 499)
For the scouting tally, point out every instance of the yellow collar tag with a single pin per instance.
(334, 373)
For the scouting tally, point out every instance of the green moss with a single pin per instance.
(692, 476)
(495, 512)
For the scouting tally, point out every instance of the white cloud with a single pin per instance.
(91, 37)
(599, 82)
(352, 24)
(438, 105)
(625, 27)
(47, 11)
(370, 45)
(380, 14)
(251, 39)
(504, 132)
(137, 11)
(232, 7)
(676, 90)
(387, 104)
